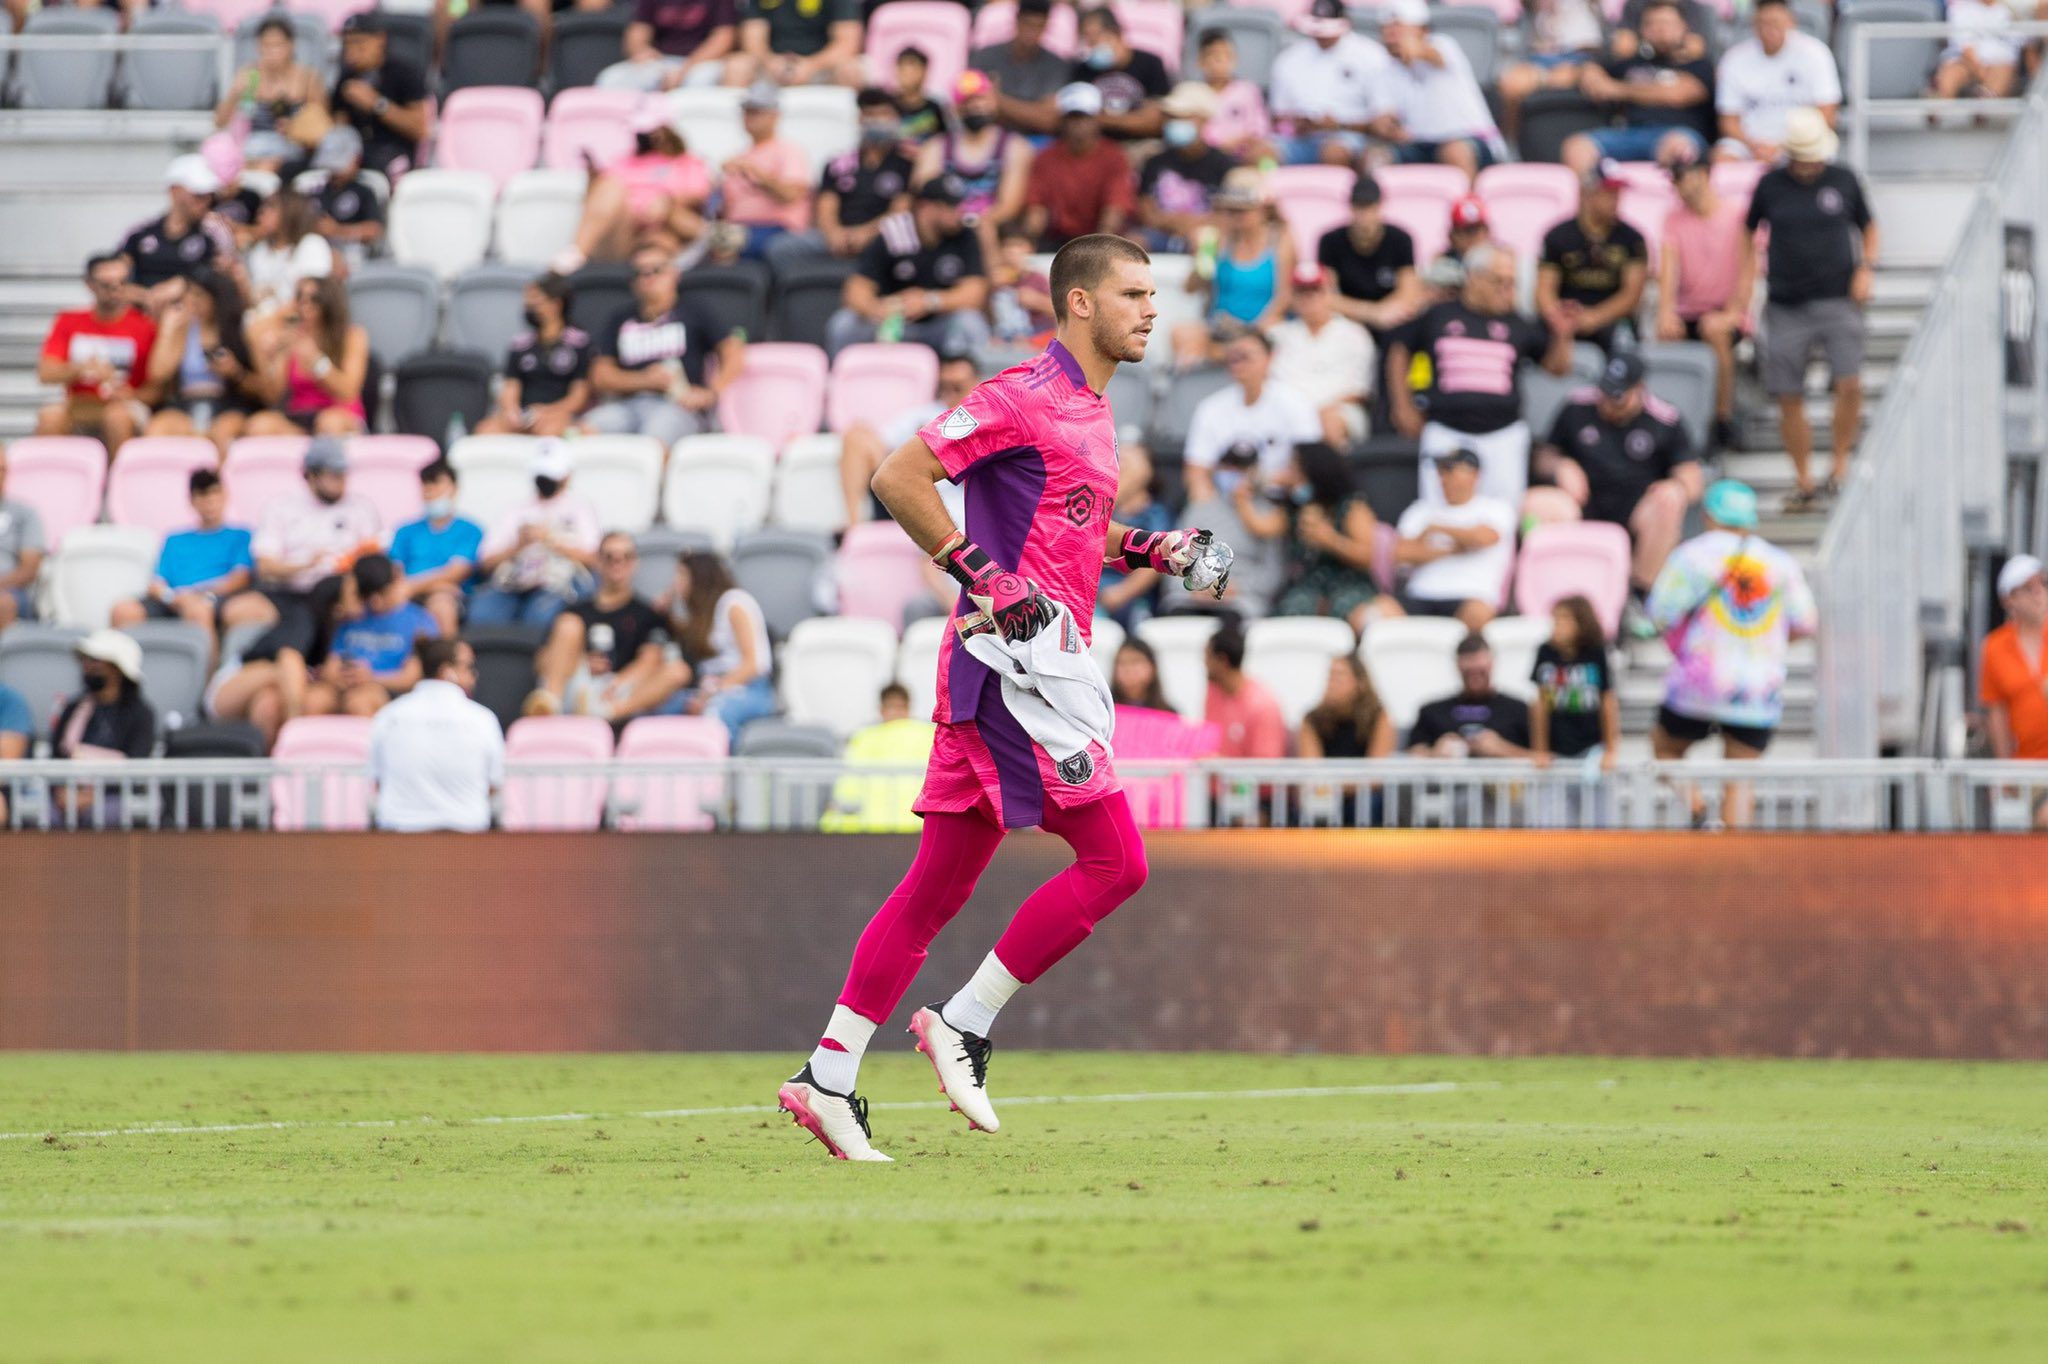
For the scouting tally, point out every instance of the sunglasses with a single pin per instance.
(649, 271)
(617, 558)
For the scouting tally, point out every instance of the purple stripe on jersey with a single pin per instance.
(1068, 364)
(1016, 760)
(1002, 502)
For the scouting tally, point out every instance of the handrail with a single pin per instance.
(1863, 112)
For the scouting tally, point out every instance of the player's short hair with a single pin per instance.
(1083, 263)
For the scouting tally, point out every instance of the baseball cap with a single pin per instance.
(1468, 211)
(1241, 455)
(1412, 12)
(1191, 100)
(1731, 503)
(551, 458)
(651, 116)
(1623, 372)
(972, 83)
(1460, 455)
(111, 646)
(942, 189)
(2019, 570)
(1078, 98)
(363, 21)
(190, 172)
(325, 455)
(1365, 192)
(1309, 275)
(1325, 19)
(1606, 174)
(340, 146)
(762, 95)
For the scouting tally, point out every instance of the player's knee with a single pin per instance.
(1123, 873)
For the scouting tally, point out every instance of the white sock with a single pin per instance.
(832, 1068)
(974, 1009)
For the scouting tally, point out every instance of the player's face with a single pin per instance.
(1120, 325)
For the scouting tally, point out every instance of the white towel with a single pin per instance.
(1055, 691)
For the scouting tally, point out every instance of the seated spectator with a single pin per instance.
(608, 655)
(1705, 280)
(547, 372)
(1619, 454)
(1458, 551)
(1239, 126)
(2012, 670)
(351, 214)
(1026, 75)
(920, 114)
(921, 279)
(384, 98)
(1589, 279)
(1577, 712)
(22, 547)
(649, 364)
(198, 569)
(798, 44)
(1561, 39)
(537, 560)
(302, 545)
(1081, 183)
(671, 43)
(658, 193)
(436, 756)
(200, 368)
(1267, 417)
(1326, 358)
(1477, 722)
(1128, 595)
(373, 657)
(859, 189)
(1665, 97)
(1469, 228)
(1245, 712)
(1438, 111)
(1177, 186)
(1328, 534)
(1329, 92)
(1020, 294)
(276, 103)
(1349, 722)
(1246, 279)
(108, 717)
(1761, 80)
(1130, 80)
(1134, 677)
(286, 251)
(188, 237)
(1700, 20)
(991, 162)
(17, 734)
(101, 357)
(1982, 59)
(438, 553)
(314, 367)
(1372, 263)
(884, 771)
(767, 186)
(867, 443)
(724, 636)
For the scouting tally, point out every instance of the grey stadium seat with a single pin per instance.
(1175, 412)
(1588, 360)
(772, 738)
(174, 655)
(781, 567)
(1476, 29)
(36, 660)
(659, 549)
(485, 310)
(1258, 33)
(81, 79)
(400, 307)
(597, 294)
(172, 80)
(1813, 17)
(312, 44)
(491, 47)
(504, 667)
(807, 293)
(1550, 118)
(1543, 397)
(585, 42)
(1682, 373)
(441, 394)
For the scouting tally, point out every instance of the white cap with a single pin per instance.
(551, 458)
(1079, 98)
(2019, 570)
(190, 172)
(1412, 12)
(111, 646)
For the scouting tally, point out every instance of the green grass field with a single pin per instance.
(1524, 1210)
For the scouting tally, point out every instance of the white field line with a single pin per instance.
(742, 1110)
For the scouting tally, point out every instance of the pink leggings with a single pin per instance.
(1109, 867)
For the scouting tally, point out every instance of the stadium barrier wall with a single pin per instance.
(1369, 941)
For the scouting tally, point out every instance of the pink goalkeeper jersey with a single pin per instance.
(1035, 450)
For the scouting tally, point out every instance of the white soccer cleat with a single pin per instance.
(961, 1059)
(838, 1121)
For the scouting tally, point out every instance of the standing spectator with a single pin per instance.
(351, 214)
(2012, 670)
(1240, 125)
(436, 756)
(1664, 91)
(538, 557)
(1329, 92)
(1025, 73)
(1823, 253)
(858, 190)
(1439, 112)
(922, 277)
(1577, 712)
(991, 162)
(868, 442)
(1325, 357)
(313, 369)
(1457, 551)
(22, 546)
(1562, 38)
(657, 194)
(188, 236)
(1349, 722)
(1706, 279)
(1589, 280)
(1373, 264)
(286, 250)
(1134, 677)
(547, 372)
(1474, 349)
(1328, 536)
(920, 114)
(1247, 278)
(649, 365)
(372, 658)
(302, 544)
(384, 98)
(884, 765)
(276, 100)
(1982, 60)
(1267, 417)
(673, 42)
(1177, 186)
(109, 716)
(1761, 80)
(200, 369)
(196, 569)
(607, 656)
(1131, 81)
(438, 553)
(101, 357)
(1476, 722)
(767, 186)
(1127, 595)
(1245, 712)
(1081, 183)
(791, 42)
(724, 635)
(1729, 603)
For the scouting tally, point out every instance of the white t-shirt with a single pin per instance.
(1982, 28)
(1276, 423)
(1478, 575)
(1347, 81)
(724, 640)
(434, 756)
(301, 526)
(1328, 366)
(274, 273)
(1440, 103)
(1761, 89)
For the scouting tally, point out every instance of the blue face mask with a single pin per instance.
(1182, 132)
(880, 134)
(1102, 57)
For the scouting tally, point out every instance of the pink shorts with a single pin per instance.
(990, 764)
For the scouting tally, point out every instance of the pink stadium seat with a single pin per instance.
(646, 801)
(1525, 200)
(386, 470)
(1736, 180)
(259, 468)
(780, 394)
(876, 378)
(62, 477)
(490, 128)
(936, 27)
(1144, 735)
(1313, 199)
(554, 800)
(879, 570)
(1155, 26)
(1588, 557)
(339, 743)
(996, 22)
(586, 119)
(1418, 199)
(150, 484)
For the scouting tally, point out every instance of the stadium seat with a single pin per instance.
(878, 378)
(1736, 180)
(1646, 200)
(1258, 33)
(807, 293)
(62, 477)
(938, 27)
(1525, 201)
(996, 22)
(79, 78)
(821, 119)
(587, 125)
(331, 13)
(441, 219)
(176, 655)
(1180, 643)
(718, 484)
(621, 477)
(491, 129)
(1477, 29)
(555, 800)
(398, 305)
(150, 485)
(1175, 412)
(776, 738)
(172, 80)
(710, 120)
(779, 394)
(1155, 26)
(1105, 637)
(833, 671)
(1419, 198)
(442, 394)
(97, 567)
(807, 493)
(1412, 660)
(660, 548)
(1543, 396)
(1387, 469)
(259, 469)
(493, 476)
(1899, 66)
(1175, 301)
(879, 571)
(313, 41)
(1550, 118)
(1682, 373)
(322, 767)
(735, 296)
(1150, 738)
(668, 802)
(1588, 558)
(504, 667)
(1313, 199)
(36, 661)
(781, 568)
(386, 471)
(597, 294)
(409, 36)
(496, 46)
(538, 212)
(582, 43)
(229, 14)
(1291, 656)
(1588, 360)
(917, 661)
(1514, 640)
(486, 307)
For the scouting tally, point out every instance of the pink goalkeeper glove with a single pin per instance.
(1196, 557)
(1015, 605)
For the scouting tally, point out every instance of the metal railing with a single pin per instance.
(754, 795)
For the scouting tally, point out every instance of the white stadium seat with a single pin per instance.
(1412, 660)
(1180, 643)
(620, 476)
(493, 475)
(807, 494)
(538, 212)
(917, 661)
(441, 219)
(1291, 656)
(97, 567)
(718, 484)
(833, 671)
(1514, 640)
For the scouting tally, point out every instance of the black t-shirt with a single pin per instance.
(1474, 365)
(127, 726)
(1126, 87)
(800, 28)
(865, 191)
(157, 255)
(620, 632)
(1368, 275)
(1816, 232)
(546, 371)
(238, 209)
(1467, 715)
(398, 81)
(1576, 686)
(897, 258)
(1621, 462)
(1590, 272)
(1182, 183)
(685, 332)
(349, 202)
(1658, 69)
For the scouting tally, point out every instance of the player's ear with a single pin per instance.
(1079, 302)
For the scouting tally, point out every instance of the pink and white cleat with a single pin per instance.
(838, 1121)
(961, 1059)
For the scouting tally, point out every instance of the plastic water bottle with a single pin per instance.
(891, 328)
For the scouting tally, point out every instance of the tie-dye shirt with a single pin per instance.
(1728, 605)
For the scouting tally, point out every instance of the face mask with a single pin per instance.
(95, 679)
(440, 508)
(532, 318)
(974, 123)
(547, 487)
(879, 134)
(1102, 57)
(1181, 132)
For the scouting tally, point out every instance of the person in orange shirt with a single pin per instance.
(1242, 708)
(2013, 669)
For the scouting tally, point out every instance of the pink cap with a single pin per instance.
(972, 83)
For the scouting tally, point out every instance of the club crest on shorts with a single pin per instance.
(1076, 771)
(958, 423)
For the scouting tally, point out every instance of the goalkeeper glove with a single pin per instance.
(1196, 557)
(1013, 603)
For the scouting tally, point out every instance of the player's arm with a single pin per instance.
(1195, 556)
(906, 483)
